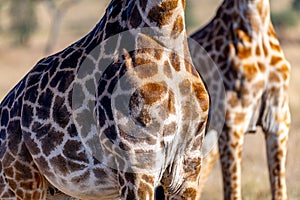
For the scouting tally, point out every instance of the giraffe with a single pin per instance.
(61, 126)
(242, 42)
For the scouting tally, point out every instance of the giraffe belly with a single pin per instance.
(95, 186)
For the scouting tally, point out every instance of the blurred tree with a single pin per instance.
(58, 9)
(1, 5)
(23, 19)
(296, 5)
(284, 19)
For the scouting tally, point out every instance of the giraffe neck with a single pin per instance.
(253, 15)
(167, 16)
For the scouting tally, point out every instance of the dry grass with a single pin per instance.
(16, 61)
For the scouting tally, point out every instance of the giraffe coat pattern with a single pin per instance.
(242, 42)
(46, 141)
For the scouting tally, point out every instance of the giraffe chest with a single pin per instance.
(142, 130)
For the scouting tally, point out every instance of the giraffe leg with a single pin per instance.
(276, 154)
(185, 184)
(276, 133)
(208, 163)
(136, 186)
(230, 147)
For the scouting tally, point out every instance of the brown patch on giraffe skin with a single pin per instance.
(72, 150)
(246, 102)
(188, 110)
(261, 67)
(275, 47)
(192, 168)
(240, 151)
(63, 166)
(175, 61)
(26, 171)
(199, 139)
(244, 36)
(153, 92)
(259, 85)
(183, 4)
(36, 195)
(143, 97)
(233, 101)
(236, 135)
(130, 177)
(143, 4)
(171, 102)
(99, 173)
(167, 70)
(51, 140)
(265, 49)
(284, 70)
(148, 179)
(273, 77)
(257, 51)
(147, 45)
(81, 178)
(168, 106)
(170, 129)
(156, 52)
(271, 31)
(190, 68)
(189, 194)
(135, 17)
(234, 145)
(239, 118)
(145, 191)
(245, 91)
(201, 95)
(130, 194)
(145, 68)
(244, 51)
(178, 27)
(275, 60)
(234, 170)
(163, 12)
(250, 71)
(124, 146)
(20, 193)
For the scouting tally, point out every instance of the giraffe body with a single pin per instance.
(242, 42)
(86, 146)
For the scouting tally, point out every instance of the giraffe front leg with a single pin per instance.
(185, 183)
(136, 186)
(230, 148)
(276, 144)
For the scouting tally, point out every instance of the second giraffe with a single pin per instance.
(241, 41)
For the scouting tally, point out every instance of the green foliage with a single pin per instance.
(284, 19)
(296, 5)
(23, 19)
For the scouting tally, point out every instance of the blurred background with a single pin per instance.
(33, 29)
